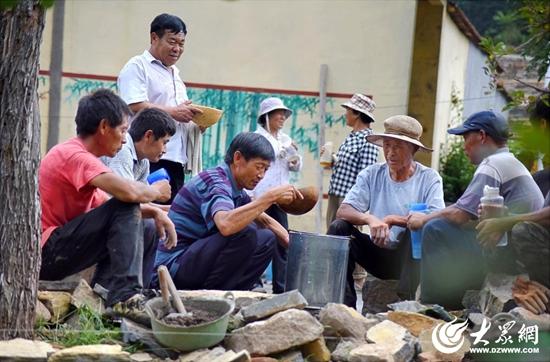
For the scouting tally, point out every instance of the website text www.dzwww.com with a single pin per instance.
(522, 350)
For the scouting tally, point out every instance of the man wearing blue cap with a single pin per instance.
(453, 260)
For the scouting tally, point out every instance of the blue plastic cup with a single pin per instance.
(158, 175)
(416, 236)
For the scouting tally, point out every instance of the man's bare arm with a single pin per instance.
(183, 112)
(131, 191)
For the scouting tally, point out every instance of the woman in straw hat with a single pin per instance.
(354, 154)
(272, 116)
(386, 190)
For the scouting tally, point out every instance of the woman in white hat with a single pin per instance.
(386, 190)
(271, 119)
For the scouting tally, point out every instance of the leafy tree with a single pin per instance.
(496, 19)
(532, 140)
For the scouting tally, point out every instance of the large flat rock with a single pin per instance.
(346, 322)
(24, 350)
(91, 353)
(271, 306)
(279, 333)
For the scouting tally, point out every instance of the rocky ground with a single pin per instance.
(265, 327)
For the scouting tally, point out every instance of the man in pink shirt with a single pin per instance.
(81, 226)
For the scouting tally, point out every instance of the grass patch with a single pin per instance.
(86, 327)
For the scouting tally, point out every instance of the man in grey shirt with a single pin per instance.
(386, 191)
(146, 141)
(453, 260)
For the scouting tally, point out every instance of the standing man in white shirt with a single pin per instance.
(152, 80)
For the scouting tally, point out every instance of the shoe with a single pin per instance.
(101, 291)
(258, 288)
(132, 308)
(150, 293)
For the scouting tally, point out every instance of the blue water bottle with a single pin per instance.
(416, 236)
(158, 175)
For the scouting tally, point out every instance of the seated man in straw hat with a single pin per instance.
(386, 190)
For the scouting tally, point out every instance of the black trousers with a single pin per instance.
(110, 235)
(176, 171)
(453, 262)
(380, 262)
(233, 262)
(280, 256)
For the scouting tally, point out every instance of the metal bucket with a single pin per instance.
(317, 266)
(193, 337)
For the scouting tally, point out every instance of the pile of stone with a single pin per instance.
(268, 328)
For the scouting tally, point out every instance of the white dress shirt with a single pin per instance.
(146, 79)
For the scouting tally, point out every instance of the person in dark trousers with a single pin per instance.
(81, 226)
(353, 156)
(152, 80)
(225, 239)
(146, 141)
(386, 191)
(453, 259)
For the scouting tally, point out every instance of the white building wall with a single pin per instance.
(280, 44)
(453, 58)
(478, 94)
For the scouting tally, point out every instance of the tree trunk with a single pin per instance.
(20, 37)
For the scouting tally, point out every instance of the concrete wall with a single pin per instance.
(478, 94)
(265, 45)
(453, 58)
(463, 88)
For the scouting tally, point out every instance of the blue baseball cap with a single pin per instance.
(494, 124)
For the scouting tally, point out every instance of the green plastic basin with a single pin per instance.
(193, 337)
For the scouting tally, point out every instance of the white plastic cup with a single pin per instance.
(326, 157)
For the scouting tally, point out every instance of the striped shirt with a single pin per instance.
(501, 169)
(354, 154)
(195, 205)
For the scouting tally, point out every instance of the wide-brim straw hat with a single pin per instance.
(361, 103)
(402, 128)
(271, 104)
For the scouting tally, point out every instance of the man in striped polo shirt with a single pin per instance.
(453, 260)
(225, 239)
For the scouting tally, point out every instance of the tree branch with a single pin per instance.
(542, 90)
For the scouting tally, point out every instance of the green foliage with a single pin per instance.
(47, 3)
(534, 16)
(536, 13)
(9, 4)
(91, 328)
(510, 29)
(457, 172)
(528, 141)
(497, 19)
(494, 50)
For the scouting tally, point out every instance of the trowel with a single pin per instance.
(168, 287)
